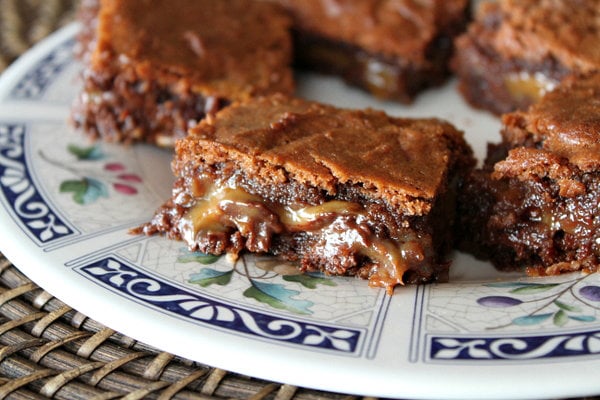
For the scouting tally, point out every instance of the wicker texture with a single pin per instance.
(50, 350)
(25, 22)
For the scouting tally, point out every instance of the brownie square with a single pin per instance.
(345, 192)
(393, 48)
(152, 69)
(517, 50)
(536, 202)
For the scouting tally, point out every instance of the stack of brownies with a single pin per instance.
(356, 192)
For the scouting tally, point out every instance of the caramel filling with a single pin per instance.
(568, 222)
(334, 225)
(381, 78)
(525, 85)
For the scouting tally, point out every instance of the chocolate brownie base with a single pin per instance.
(344, 192)
(383, 76)
(123, 105)
(517, 50)
(489, 82)
(536, 202)
(393, 49)
(527, 224)
(152, 70)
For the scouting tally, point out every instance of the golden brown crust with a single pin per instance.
(389, 27)
(403, 161)
(568, 31)
(566, 123)
(228, 49)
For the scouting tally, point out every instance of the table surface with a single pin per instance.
(50, 350)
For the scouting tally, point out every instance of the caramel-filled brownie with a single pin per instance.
(391, 48)
(517, 50)
(152, 69)
(536, 202)
(345, 192)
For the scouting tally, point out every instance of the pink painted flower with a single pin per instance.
(114, 166)
(129, 177)
(125, 189)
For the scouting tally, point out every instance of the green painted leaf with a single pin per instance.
(309, 281)
(85, 191)
(531, 319)
(86, 153)
(209, 276)
(560, 318)
(95, 190)
(186, 256)
(583, 318)
(278, 296)
(567, 307)
(77, 187)
(534, 288)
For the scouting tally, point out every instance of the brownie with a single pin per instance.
(345, 192)
(517, 50)
(535, 204)
(392, 48)
(152, 69)
(86, 13)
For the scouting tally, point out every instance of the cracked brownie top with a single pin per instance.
(224, 48)
(404, 161)
(389, 27)
(566, 123)
(537, 29)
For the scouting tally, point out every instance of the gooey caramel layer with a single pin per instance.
(531, 86)
(334, 225)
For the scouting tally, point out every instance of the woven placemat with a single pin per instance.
(50, 350)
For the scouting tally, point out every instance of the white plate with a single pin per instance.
(66, 206)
